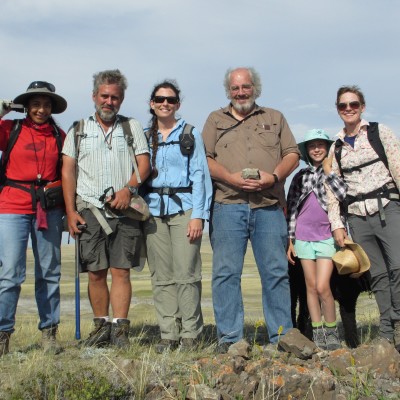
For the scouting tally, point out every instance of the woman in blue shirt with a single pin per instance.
(179, 193)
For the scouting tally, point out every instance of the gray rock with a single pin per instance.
(296, 343)
(240, 348)
(202, 392)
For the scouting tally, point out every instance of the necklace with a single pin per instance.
(109, 139)
(39, 168)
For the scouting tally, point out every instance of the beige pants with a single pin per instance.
(175, 267)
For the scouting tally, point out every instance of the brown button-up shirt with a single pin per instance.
(260, 141)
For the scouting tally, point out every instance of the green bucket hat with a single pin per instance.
(313, 134)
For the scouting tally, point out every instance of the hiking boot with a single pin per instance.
(188, 344)
(100, 335)
(223, 347)
(396, 335)
(4, 342)
(318, 337)
(120, 333)
(49, 341)
(332, 338)
(166, 344)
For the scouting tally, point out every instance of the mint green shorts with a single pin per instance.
(313, 250)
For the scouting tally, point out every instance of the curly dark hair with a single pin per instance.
(153, 130)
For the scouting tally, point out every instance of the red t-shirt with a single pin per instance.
(35, 152)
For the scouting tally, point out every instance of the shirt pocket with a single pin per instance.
(119, 141)
(267, 136)
(89, 142)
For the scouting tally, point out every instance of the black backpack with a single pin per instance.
(375, 142)
(14, 134)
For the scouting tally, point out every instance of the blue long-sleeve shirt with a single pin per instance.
(173, 172)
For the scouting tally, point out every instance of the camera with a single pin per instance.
(16, 107)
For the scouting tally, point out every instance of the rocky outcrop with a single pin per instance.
(294, 369)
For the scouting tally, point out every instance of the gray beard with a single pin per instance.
(244, 108)
(106, 116)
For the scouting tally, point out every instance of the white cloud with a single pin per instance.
(304, 50)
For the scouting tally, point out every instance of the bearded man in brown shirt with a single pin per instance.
(250, 152)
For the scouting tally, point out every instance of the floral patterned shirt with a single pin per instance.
(368, 178)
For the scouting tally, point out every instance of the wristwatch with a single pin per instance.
(276, 179)
(132, 189)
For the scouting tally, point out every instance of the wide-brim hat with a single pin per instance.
(351, 259)
(138, 209)
(59, 104)
(313, 134)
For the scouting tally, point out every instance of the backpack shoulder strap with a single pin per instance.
(57, 136)
(14, 134)
(338, 155)
(188, 129)
(78, 135)
(376, 143)
(126, 128)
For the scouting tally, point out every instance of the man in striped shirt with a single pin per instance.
(102, 161)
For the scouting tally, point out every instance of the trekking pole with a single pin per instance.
(77, 284)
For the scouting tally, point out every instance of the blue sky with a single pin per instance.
(303, 49)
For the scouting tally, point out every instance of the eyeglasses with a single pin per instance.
(42, 85)
(354, 105)
(170, 99)
(245, 88)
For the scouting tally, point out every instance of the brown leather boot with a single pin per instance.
(49, 341)
(4, 342)
(120, 333)
(100, 335)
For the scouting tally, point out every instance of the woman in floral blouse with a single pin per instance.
(372, 204)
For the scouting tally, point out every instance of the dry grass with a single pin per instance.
(142, 310)
(26, 373)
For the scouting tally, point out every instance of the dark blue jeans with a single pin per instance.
(231, 226)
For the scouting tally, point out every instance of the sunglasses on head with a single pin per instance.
(42, 85)
(170, 99)
(354, 105)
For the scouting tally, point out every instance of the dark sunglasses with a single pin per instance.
(170, 99)
(42, 85)
(354, 105)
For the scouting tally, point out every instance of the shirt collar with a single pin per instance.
(363, 129)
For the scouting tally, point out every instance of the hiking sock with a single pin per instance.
(317, 324)
(330, 324)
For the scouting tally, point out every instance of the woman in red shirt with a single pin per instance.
(33, 161)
